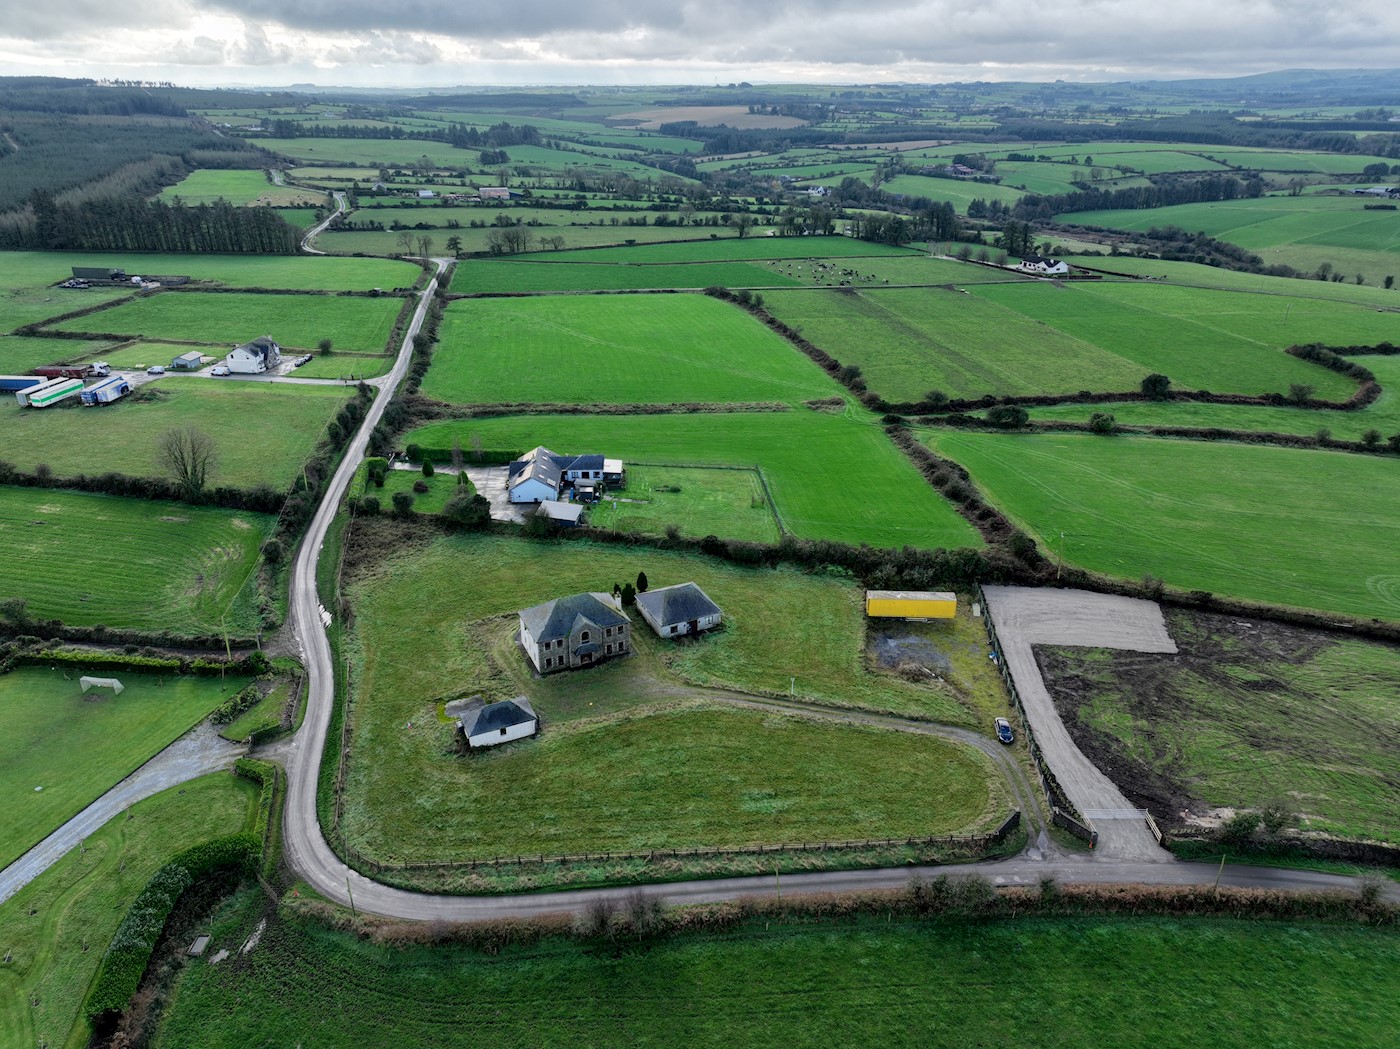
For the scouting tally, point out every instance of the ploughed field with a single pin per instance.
(131, 564)
(1311, 529)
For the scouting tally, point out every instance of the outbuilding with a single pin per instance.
(188, 362)
(674, 611)
(910, 604)
(569, 515)
(492, 724)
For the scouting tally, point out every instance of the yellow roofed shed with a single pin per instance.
(910, 604)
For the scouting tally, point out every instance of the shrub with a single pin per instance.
(427, 467)
(1300, 392)
(629, 595)
(1371, 438)
(369, 506)
(376, 469)
(1102, 422)
(420, 486)
(1008, 416)
(470, 509)
(1156, 387)
(403, 503)
(229, 710)
(641, 582)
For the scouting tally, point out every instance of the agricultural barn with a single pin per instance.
(910, 604)
(426, 194)
(674, 611)
(493, 193)
(188, 362)
(256, 357)
(1043, 266)
(492, 724)
(540, 474)
(575, 631)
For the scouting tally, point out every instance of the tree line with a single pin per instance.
(1034, 207)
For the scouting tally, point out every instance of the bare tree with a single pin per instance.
(189, 456)
(457, 454)
(425, 246)
(404, 241)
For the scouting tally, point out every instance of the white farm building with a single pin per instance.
(496, 723)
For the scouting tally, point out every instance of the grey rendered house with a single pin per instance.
(674, 611)
(575, 631)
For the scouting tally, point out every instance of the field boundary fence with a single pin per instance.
(1063, 812)
(974, 842)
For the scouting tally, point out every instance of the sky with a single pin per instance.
(430, 43)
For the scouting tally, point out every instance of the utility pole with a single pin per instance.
(351, 895)
(1061, 567)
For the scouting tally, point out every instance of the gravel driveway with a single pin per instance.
(1025, 617)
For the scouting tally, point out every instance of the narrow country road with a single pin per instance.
(319, 228)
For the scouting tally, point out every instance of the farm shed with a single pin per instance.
(910, 604)
(188, 362)
(493, 193)
(567, 514)
(492, 724)
(574, 631)
(98, 273)
(674, 611)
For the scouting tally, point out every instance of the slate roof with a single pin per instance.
(1036, 260)
(677, 604)
(579, 462)
(495, 716)
(555, 619)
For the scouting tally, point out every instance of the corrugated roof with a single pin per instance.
(681, 603)
(909, 595)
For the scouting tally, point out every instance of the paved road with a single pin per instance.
(316, 230)
(194, 754)
(1025, 617)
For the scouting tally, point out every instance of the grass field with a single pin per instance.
(770, 618)
(957, 192)
(1190, 274)
(804, 985)
(910, 341)
(35, 270)
(1383, 415)
(128, 563)
(894, 269)
(283, 421)
(57, 927)
(698, 502)
(295, 321)
(492, 276)
(265, 714)
(441, 487)
(583, 234)
(616, 349)
(1294, 527)
(1248, 712)
(1227, 342)
(18, 354)
(1303, 231)
(77, 747)
(830, 476)
(728, 248)
(238, 187)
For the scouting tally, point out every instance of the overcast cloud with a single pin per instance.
(382, 42)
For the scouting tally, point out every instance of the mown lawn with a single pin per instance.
(130, 563)
(57, 927)
(76, 747)
(263, 432)
(228, 318)
(503, 275)
(704, 502)
(1247, 713)
(939, 983)
(831, 476)
(18, 354)
(617, 349)
(1226, 342)
(37, 269)
(910, 341)
(1311, 529)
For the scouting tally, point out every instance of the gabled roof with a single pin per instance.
(557, 511)
(681, 603)
(495, 716)
(556, 619)
(1039, 260)
(579, 462)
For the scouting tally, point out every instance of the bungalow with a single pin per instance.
(574, 631)
(673, 611)
(256, 357)
(540, 474)
(491, 724)
(1042, 266)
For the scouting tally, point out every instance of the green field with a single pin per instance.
(1383, 415)
(294, 321)
(283, 421)
(1247, 713)
(1310, 529)
(830, 476)
(129, 563)
(237, 187)
(954, 191)
(57, 927)
(18, 354)
(892, 269)
(494, 276)
(581, 235)
(1190, 274)
(1226, 342)
(441, 487)
(818, 984)
(1302, 232)
(728, 248)
(37, 269)
(704, 502)
(618, 349)
(910, 341)
(62, 749)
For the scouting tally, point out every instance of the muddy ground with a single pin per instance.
(1216, 652)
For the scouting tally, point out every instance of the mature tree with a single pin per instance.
(457, 458)
(641, 582)
(404, 241)
(629, 594)
(743, 224)
(425, 246)
(1102, 422)
(454, 245)
(189, 455)
(1008, 416)
(1299, 392)
(1156, 387)
(1389, 282)
(325, 346)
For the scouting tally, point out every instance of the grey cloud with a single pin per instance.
(69, 19)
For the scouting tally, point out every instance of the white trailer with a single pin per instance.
(60, 391)
(106, 392)
(25, 394)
